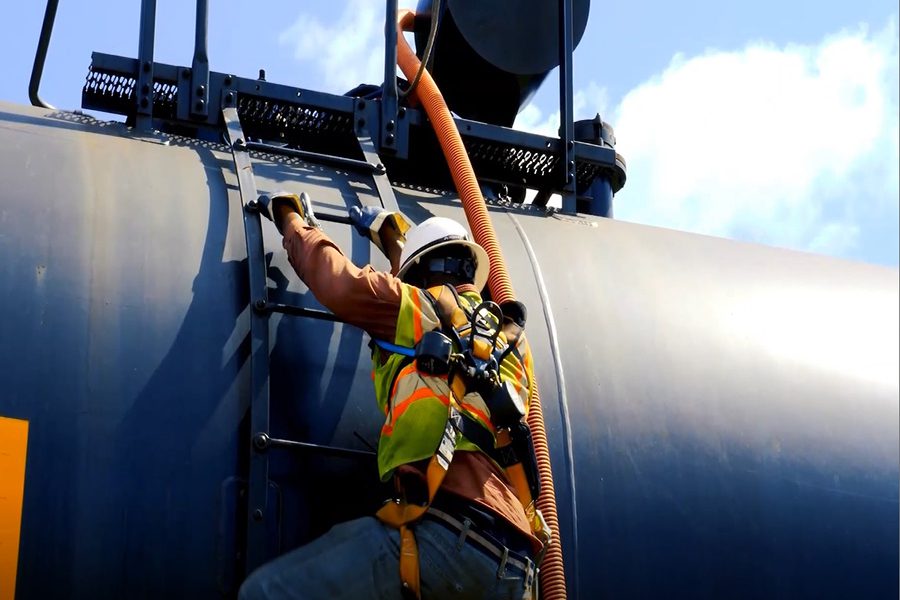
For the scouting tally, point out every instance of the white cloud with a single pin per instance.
(345, 52)
(586, 103)
(793, 146)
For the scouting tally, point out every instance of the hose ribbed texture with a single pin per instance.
(553, 574)
(458, 161)
(553, 577)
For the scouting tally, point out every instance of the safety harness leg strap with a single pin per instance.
(400, 514)
(409, 564)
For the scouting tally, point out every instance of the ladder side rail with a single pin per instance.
(258, 478)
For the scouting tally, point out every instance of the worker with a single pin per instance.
(472, 538)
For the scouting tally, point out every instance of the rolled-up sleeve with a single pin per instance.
(363, 297)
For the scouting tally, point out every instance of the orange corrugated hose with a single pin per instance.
(553, 578)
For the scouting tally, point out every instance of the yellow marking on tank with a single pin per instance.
(13, 446)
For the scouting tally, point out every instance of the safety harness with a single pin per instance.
(469, 348)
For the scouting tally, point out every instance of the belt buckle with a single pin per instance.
(544, 534)
(463, 533)
(529, 573)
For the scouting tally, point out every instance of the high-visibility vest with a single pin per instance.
(416, 404)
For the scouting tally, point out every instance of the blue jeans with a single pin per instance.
(360, 559)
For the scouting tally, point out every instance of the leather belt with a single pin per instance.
(486, 542)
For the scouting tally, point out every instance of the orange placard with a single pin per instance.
(13, 446)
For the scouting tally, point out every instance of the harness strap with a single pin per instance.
(446, 302)
(400, 513)
(409, 563)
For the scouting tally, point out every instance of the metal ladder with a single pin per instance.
(258, 477)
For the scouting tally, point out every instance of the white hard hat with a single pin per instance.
(436, 232)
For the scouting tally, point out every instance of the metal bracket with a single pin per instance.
(362, 114)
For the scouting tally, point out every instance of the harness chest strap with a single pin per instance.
(446, 302)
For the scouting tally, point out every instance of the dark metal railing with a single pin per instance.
(566, 124)
(200, 64)
(40, 56)
(155, 95)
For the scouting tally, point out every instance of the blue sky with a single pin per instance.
(764, 121)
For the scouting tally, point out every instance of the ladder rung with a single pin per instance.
(333, 218)
(263, 442)
(299, 311)
(330, 159)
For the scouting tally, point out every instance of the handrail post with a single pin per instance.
(40, 57)
(566, 126)
(387, 136)
(143, 92)
(200, 64)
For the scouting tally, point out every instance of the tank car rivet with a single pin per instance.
(228, 80)
(146, 67)
(401, 112)
(200, 104)
(229, 97)
(390, 125)
(260, 305)
(257, 514)
(261, 441)
(389, 138)
(201, 90)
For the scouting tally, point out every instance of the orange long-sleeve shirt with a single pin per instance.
(370, 300)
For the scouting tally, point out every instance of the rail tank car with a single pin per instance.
(176, 407)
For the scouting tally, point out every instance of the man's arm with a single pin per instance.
(391, 237)
(366, 298)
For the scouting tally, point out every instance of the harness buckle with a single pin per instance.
(543, 533)
(433, 353)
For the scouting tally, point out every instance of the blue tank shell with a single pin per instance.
(722, 417)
